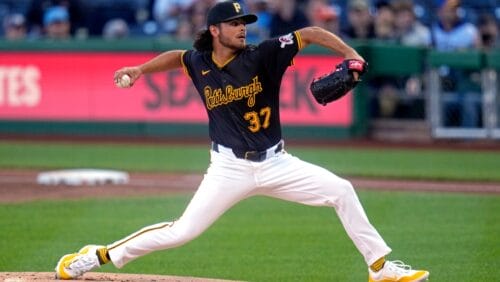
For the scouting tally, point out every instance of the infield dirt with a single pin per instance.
(20, 186)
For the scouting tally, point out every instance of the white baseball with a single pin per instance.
(124, 81)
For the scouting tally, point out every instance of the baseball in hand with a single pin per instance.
(124, 81)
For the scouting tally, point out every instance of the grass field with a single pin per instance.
(372, 162)
(455, 236)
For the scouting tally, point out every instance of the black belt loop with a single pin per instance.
(215, 147)
(279, 148)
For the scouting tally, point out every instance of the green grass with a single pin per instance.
(455, 236)
(102, 155)
(396, 163)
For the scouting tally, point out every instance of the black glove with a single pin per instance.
(338, 83)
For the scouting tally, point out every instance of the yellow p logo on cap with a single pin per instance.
(237, 7)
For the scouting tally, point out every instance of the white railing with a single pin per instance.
(474, 115)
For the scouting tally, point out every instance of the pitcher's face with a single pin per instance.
(232, 34)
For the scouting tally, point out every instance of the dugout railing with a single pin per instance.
(491, 84)
(463, 94)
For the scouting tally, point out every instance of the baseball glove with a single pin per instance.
(338, 83)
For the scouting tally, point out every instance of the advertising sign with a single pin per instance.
(71, 86)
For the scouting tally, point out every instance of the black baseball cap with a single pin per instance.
(226, 11)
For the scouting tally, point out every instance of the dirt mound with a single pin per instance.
(49, 276)
(20, 186)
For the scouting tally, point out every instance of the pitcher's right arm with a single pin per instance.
(165, 61)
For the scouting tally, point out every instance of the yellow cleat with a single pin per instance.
(74, 265)
(397, 271)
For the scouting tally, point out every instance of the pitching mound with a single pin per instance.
(49, 276)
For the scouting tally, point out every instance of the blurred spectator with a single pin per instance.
(38, 8)
(359, 20)
(184, 29)
(167, 14)
(409, 31)
(384, 22)
(321, 14)
(286, 17)
(260, 30)
(462, 92)
(398, 96)
(115, 29)
(198, 13)
(15, 27)
(387, 92)
(488, 31)
(56, 23)
(451, 33)
(137, 14)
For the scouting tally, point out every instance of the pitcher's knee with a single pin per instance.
(342, 189)
(347, 187)
(339, 186)
(182, 233)
(348, 195)
(337, 190)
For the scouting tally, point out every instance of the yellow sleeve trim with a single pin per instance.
(183, 65)
(299, 40)
(299, 45)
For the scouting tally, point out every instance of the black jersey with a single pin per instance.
(242, 95)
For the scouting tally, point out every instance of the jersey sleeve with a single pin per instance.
(278, 53)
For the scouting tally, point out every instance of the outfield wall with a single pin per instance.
(66, 88)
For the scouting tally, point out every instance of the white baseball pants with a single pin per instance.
(229, 180)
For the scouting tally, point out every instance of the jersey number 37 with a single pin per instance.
(258, 120)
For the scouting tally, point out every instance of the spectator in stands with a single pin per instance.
(451, 33)
(167, 13)
(258, 31)
(384, 21)
(286, 17)
(184, 30)
(115, 29)
(409, 31)
(387, 92)
(359, 20)
(56, 23)
(321, 14)
(488, 31)
(15, 27)
(198, 13)
(38, 8)
(462, 93)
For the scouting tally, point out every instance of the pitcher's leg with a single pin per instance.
(292, 179)
(219, 190)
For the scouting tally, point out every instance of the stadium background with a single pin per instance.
(60, 110)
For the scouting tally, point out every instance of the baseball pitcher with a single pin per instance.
(239, 85)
